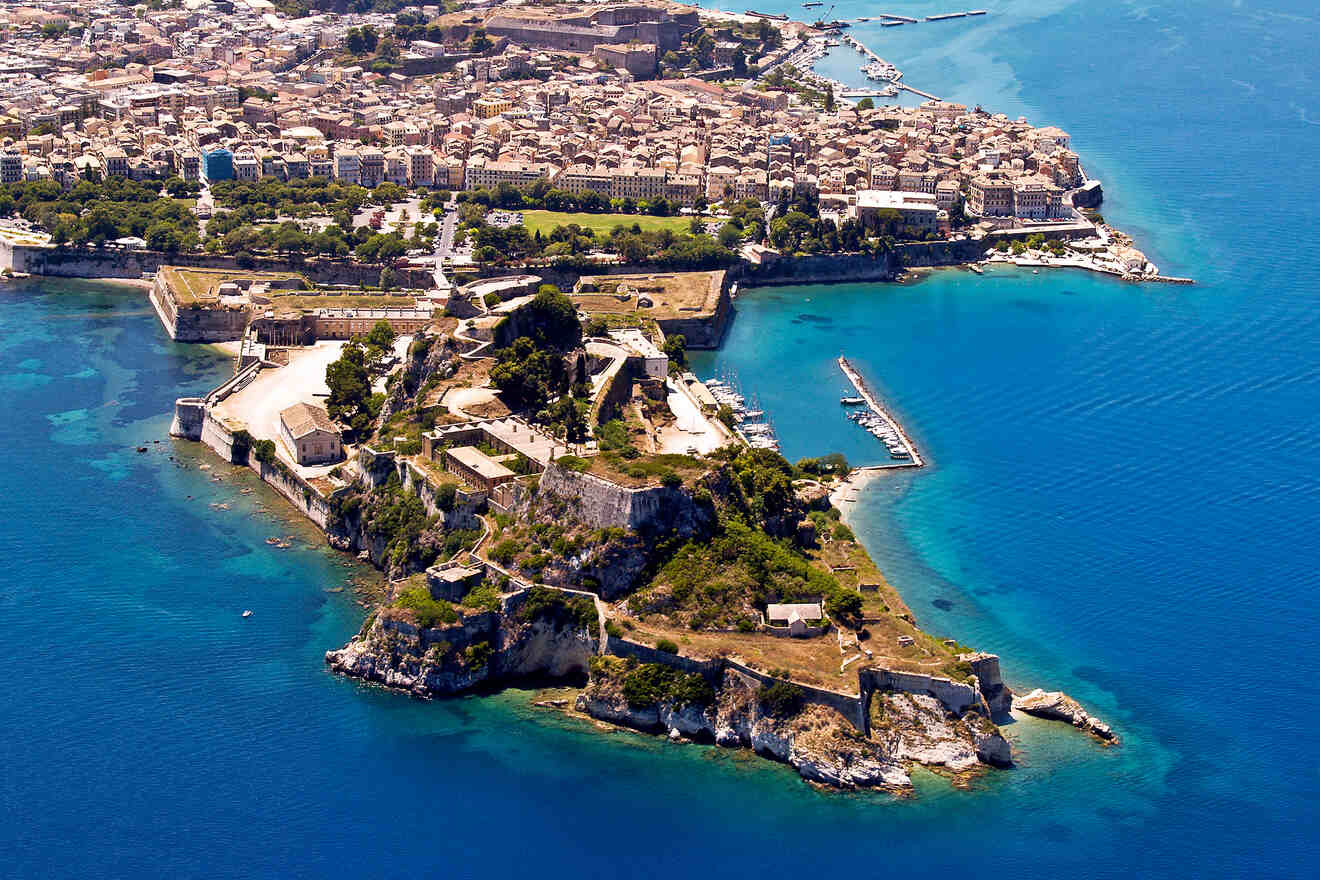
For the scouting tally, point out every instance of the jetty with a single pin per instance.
(863, 391)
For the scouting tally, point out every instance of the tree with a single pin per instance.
(386, 280)
(740, 63)
(829, 99)
(555, 317)
(480, 43)
(350, 388)
(355, 42)
(381, 336)
(676, 348)
(866, 104)
(163, 237)
(704, 49)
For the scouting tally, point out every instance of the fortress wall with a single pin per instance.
(189, 417)
(298, 491)
(466, 504)
(956, 696)
(711, 670)
(850, 706)
(602, 504)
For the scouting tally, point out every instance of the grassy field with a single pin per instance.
(193, 285)
(546, 221)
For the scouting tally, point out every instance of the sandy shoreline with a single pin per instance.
(138, 283)
(856, 481)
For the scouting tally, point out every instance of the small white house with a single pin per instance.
(310, 435)
(800, 618)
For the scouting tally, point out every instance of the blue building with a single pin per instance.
(217, 165)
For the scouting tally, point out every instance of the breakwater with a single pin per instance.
(874, 404)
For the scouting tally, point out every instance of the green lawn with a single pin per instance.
(546, 221)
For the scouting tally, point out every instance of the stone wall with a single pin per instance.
(711, 670)
(850, 706)
(189, 417)
(705, 330)
(602, 504)
(955, 696)
(467, 504)
(90, 262)
(298, 491)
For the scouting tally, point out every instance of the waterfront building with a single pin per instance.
(990, 196)
(310, 435)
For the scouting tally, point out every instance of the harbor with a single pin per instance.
(878, 422)
(750, 421)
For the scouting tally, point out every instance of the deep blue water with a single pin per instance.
(1122, 503)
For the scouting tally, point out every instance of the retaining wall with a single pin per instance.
(601, 504)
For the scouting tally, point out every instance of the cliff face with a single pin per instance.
(488, 648)
(815, 740)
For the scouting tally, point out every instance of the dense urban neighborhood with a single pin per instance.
(483, 133)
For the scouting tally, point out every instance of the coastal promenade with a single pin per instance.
(865, 392)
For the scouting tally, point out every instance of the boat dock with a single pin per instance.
(917, 91)
(882, 424)
(750, 421)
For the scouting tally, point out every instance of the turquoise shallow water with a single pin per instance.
(1122, 503)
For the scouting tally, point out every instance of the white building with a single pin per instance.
(310, 435)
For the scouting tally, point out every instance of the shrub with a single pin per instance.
(444, 497)
(543, 603)
(478, 654)
(427, 612)
(652, 683)
(264, 450)
(781, 699)
(572, 463)
(505, 551)
(670, 480)
(843, 533)
(484, 595)
(843, 604)
(667, 645)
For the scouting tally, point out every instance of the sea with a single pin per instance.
(1121, 502)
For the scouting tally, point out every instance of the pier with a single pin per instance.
(865, 393)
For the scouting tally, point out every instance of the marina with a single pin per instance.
(879, 423)
(749, 419)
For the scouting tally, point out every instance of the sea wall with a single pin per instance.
(301, 494)
(114, 262)
(189, 416)
(820, 269)
(704, 329)
(850, 706)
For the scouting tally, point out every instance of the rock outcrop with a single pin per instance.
(485, 648)
(817, 741)
(1058, 706)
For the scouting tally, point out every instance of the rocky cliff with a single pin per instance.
(816, 740)
(484, 648)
